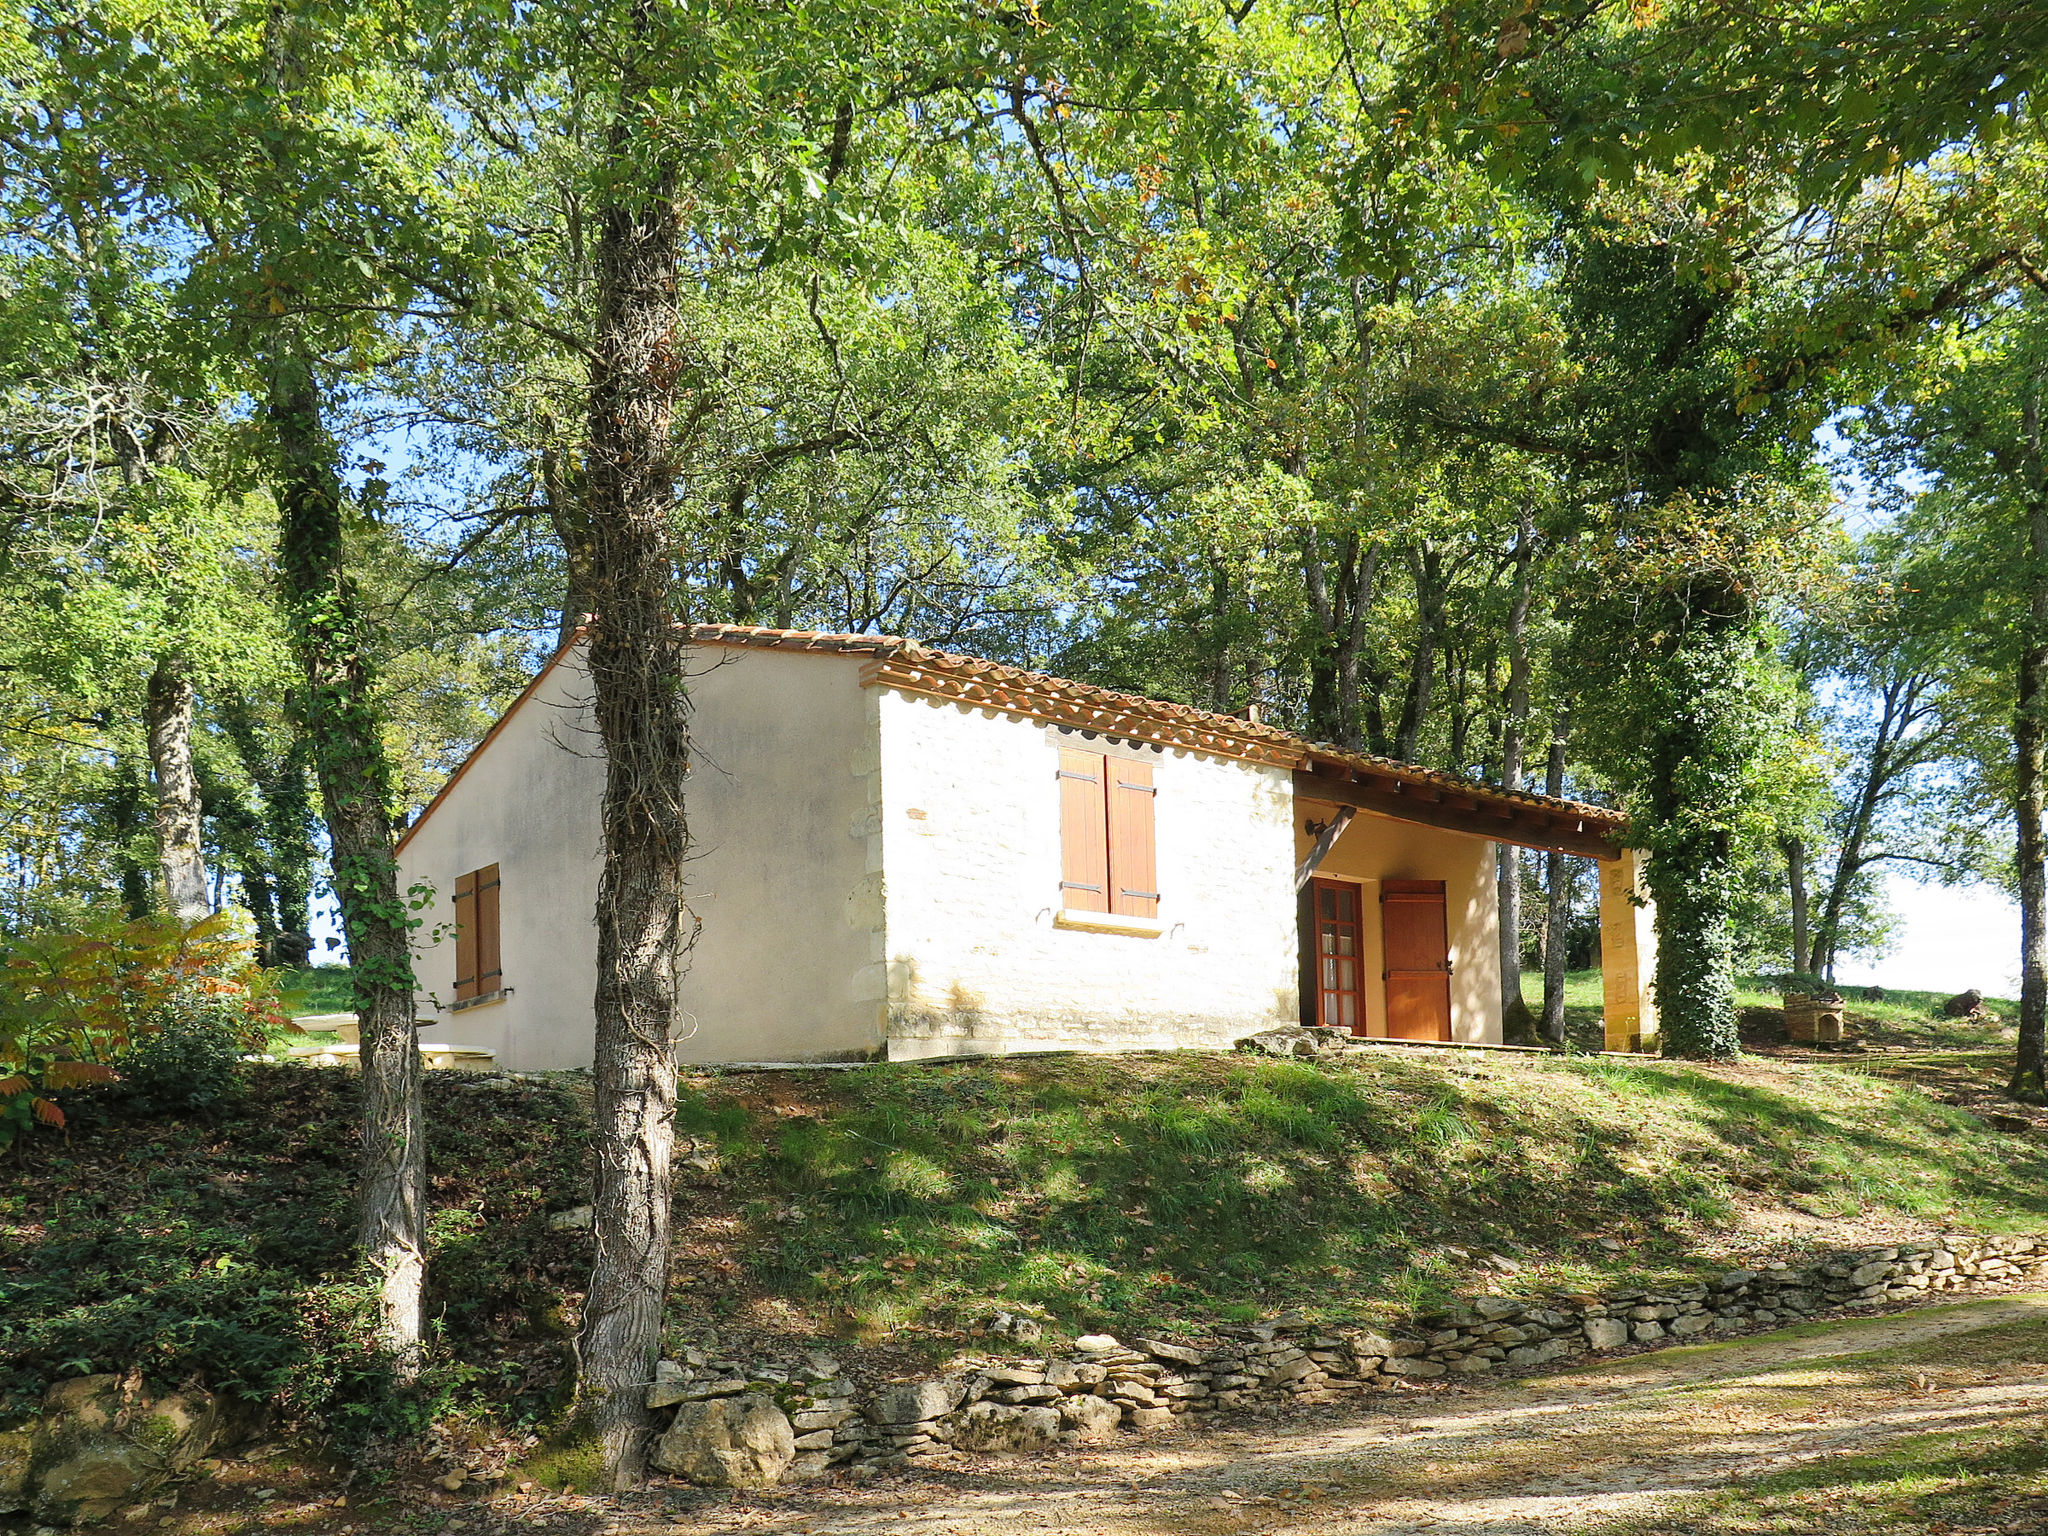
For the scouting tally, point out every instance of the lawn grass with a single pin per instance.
(1898, 1017)
(1110, 1192)
(313, 989)
(1993, 1479)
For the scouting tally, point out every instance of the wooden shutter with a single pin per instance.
(1133, 843)
(490, 968)
(465, 938)
(1084, 833)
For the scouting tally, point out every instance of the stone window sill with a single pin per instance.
(483, 1001)
(1110, 922)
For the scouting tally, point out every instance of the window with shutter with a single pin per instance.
(1133, 860)
(1084, 833)
(1108, 845)
(479, 970)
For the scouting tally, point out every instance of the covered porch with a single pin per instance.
(1398, 905)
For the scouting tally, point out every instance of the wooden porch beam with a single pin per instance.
(1532, 829)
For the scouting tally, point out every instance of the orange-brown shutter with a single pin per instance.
(1084, 833)
(490, 968)
(1133, 843)
(465, 938)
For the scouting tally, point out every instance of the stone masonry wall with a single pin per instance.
(1102, 1384)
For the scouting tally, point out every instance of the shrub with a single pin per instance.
(78, 1007)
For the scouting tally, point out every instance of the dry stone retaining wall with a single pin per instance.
(1101, 1384)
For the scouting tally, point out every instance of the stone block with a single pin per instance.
(1091, 1419)
(915, 1401)
(806, 1419)
(998, 1429)
(670, 1385)
(1012, 1375)
(1289, 1371)
(1644, 1333)
(1180, 1354)
(1606, 1332)
(1691, 1323)
(741, 1442)
(1151, 1418)
(1411, 1365)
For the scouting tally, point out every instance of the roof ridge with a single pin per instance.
(1270, 740)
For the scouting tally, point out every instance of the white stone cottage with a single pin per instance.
(903, 853)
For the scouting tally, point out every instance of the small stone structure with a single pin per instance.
(102, 1442)
(1100, 1384)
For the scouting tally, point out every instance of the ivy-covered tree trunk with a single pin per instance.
(636, 663)
(329, 637)
(168, 709)
(1696, 759)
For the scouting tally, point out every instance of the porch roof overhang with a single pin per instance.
(1382, 787)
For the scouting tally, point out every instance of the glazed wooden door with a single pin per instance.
(1340, 991)
(1417, 947)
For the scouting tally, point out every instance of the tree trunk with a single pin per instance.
(558, 497)
(329, 637)
(1900, 697)
(638, 684)
(2030, 730)
(2030, 739)
(126, 810)
(1555, 892)
(1795, 877)
(168, 712)
(1514, 725)
(1340, 608)
(1426, 565)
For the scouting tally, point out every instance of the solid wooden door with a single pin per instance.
(1340, 991)
(1417, 947)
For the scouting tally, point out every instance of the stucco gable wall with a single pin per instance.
(528, 802)
(784, 875)
(970, 834)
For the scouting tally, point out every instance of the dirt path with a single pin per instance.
(1553, 1454)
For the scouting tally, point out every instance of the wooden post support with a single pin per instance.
(1628, 953)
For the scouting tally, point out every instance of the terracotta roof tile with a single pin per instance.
(908, 666)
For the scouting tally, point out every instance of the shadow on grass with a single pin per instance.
(1971, 1164)
(1100, 1191)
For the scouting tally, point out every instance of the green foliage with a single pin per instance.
(75, 1006)
(222, 1249)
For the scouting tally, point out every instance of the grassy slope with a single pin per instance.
(902, 1202)
(1101, 1192)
